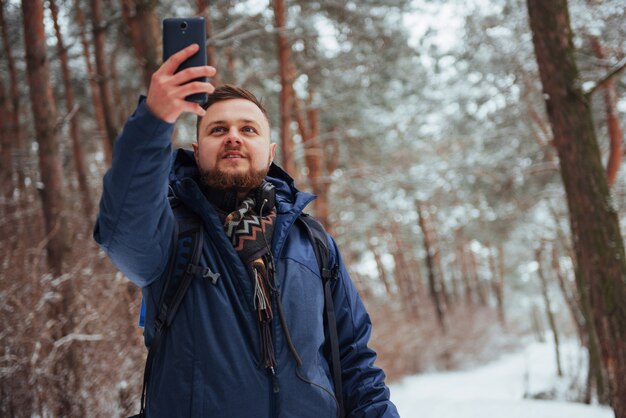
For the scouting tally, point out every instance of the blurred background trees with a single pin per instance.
(422, 127)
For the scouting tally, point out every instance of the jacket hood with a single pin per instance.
(288, 197)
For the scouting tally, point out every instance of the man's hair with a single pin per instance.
(228, 92)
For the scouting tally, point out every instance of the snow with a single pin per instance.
(497, 389)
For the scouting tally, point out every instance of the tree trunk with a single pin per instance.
(497, 284)
(102, 75)
(461, 260)
(537, 324)
(433, 282)
(72, 111)
(616, 136)
(431, 227)
(93, 85)
(382, 273)
(455, 281)
(116, 89)
(405, 284)
(596, 376)
(231, 65)
(502, 271)
(143, 27)
(547, 304)
(286, 90)
(44, 113)
(475, 279)
(6, 146)
(203, 9)
(308, 128)
(568, 295)
(14, 129)
(595, 228)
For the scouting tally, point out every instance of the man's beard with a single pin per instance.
(241, 181)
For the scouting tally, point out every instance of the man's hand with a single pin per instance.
(167, 91)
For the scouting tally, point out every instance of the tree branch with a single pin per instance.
(619, 67)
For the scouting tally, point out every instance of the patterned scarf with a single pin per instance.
(251, 236)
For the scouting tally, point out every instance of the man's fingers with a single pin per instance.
(173, 62)
(193, 88)
(191, 73)
(199, 110)
(192, 107)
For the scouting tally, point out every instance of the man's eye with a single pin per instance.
(217, 129)
(248, 129)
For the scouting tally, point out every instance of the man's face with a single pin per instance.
(234, 149)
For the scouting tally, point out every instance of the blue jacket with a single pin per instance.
(209, 363)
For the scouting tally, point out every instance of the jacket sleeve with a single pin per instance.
(135, 222)
(364, 391)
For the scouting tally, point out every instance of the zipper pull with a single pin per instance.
(275, 386)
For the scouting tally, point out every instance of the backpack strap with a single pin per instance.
(319, 239)
(182, 268)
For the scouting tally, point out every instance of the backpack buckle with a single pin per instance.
(330, 274)
(208, 274)
(205, 272)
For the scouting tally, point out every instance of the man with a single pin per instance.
(251, 342)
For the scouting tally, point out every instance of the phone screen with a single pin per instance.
(179, 33)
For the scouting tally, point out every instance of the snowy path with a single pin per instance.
(495, 390)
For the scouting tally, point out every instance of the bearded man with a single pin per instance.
(251, 341)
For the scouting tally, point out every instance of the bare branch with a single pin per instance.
(239, 37)
(619, 67)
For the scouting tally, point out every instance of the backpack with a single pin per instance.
(183, 267)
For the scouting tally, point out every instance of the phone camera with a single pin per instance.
(183, 25)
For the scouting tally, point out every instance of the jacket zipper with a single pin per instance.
(274, 385)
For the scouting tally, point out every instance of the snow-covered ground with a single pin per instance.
(497, 389)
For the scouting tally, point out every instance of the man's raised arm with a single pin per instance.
(135, 223)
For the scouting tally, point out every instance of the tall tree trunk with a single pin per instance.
(203, 9)
(308, 127)
(616, 136)
(434, 285)
(537, 324)
(568, 295)
(596, 375)
(382, 273)
(6, 146)
(404, 280)
(497, 286)
(595, 228)
(502, 270)
(461, 260)
(143, 27)
(13, 116)
(93, 85)
(286, 90)
(116, 89)
(102, 75)
(44, 113)
(72, 111)
(431, 227)
(547, 304)
(455, 281)
(475, 279)
(231, 65)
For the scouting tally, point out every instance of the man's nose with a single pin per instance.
(233, 135)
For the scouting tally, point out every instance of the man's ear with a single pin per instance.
(195, 151)
(272, 151)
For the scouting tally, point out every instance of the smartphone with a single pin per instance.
(179, 33)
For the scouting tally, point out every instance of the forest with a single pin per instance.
(466, 156)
